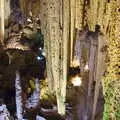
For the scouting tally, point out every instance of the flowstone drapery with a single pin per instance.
(88, 51)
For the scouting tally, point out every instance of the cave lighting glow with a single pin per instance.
(38, 58)
(77, 81)
(86, 67)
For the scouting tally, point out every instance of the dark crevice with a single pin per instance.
(108, 1)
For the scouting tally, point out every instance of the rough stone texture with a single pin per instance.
(106, 13)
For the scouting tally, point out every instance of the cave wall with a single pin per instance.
(55, 17)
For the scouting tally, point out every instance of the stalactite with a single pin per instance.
(54, 39)
(72, 26)
(79, 13)
(93, 11)
(2, 16)
(78, 9)
(101, 14)
(65, 55)
(56, 46)
(45, 25)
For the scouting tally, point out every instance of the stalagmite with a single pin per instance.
(19, 105)
(34, 100)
